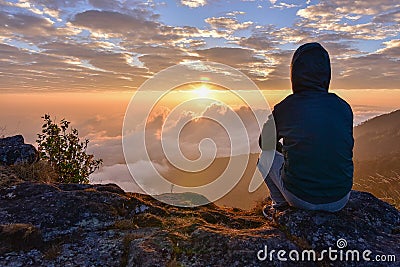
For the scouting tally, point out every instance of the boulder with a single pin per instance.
(366, 223)
(13, 150)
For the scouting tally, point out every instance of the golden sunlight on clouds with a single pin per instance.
(202, 93)
(99, 115)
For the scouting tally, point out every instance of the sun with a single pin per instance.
(202, 90)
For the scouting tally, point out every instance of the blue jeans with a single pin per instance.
(281, 196)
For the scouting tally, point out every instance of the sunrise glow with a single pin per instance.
(202, 91)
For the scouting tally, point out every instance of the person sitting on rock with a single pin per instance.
(314, 169)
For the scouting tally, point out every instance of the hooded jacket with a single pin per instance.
(317, 131)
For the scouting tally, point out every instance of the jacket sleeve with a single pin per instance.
(268, 138)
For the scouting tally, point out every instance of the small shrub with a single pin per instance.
(65, 152)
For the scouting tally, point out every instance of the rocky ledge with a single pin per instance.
(101, 225)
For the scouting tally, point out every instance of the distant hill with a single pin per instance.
(377, 157)
(377, 137)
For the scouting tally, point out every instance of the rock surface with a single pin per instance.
(100, 225)
(13, 150)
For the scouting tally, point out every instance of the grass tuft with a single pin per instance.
(40, 171)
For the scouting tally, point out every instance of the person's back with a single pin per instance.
(317, 132)
(317, 145)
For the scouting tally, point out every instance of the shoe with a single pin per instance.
(269, 212)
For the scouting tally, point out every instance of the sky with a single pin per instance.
(54, 45)
(83, 60)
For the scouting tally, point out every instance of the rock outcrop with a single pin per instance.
(13, 150)
(101, 225)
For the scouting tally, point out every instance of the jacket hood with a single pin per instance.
(310, 69)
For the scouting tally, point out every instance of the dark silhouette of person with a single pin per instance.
(314, 169)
